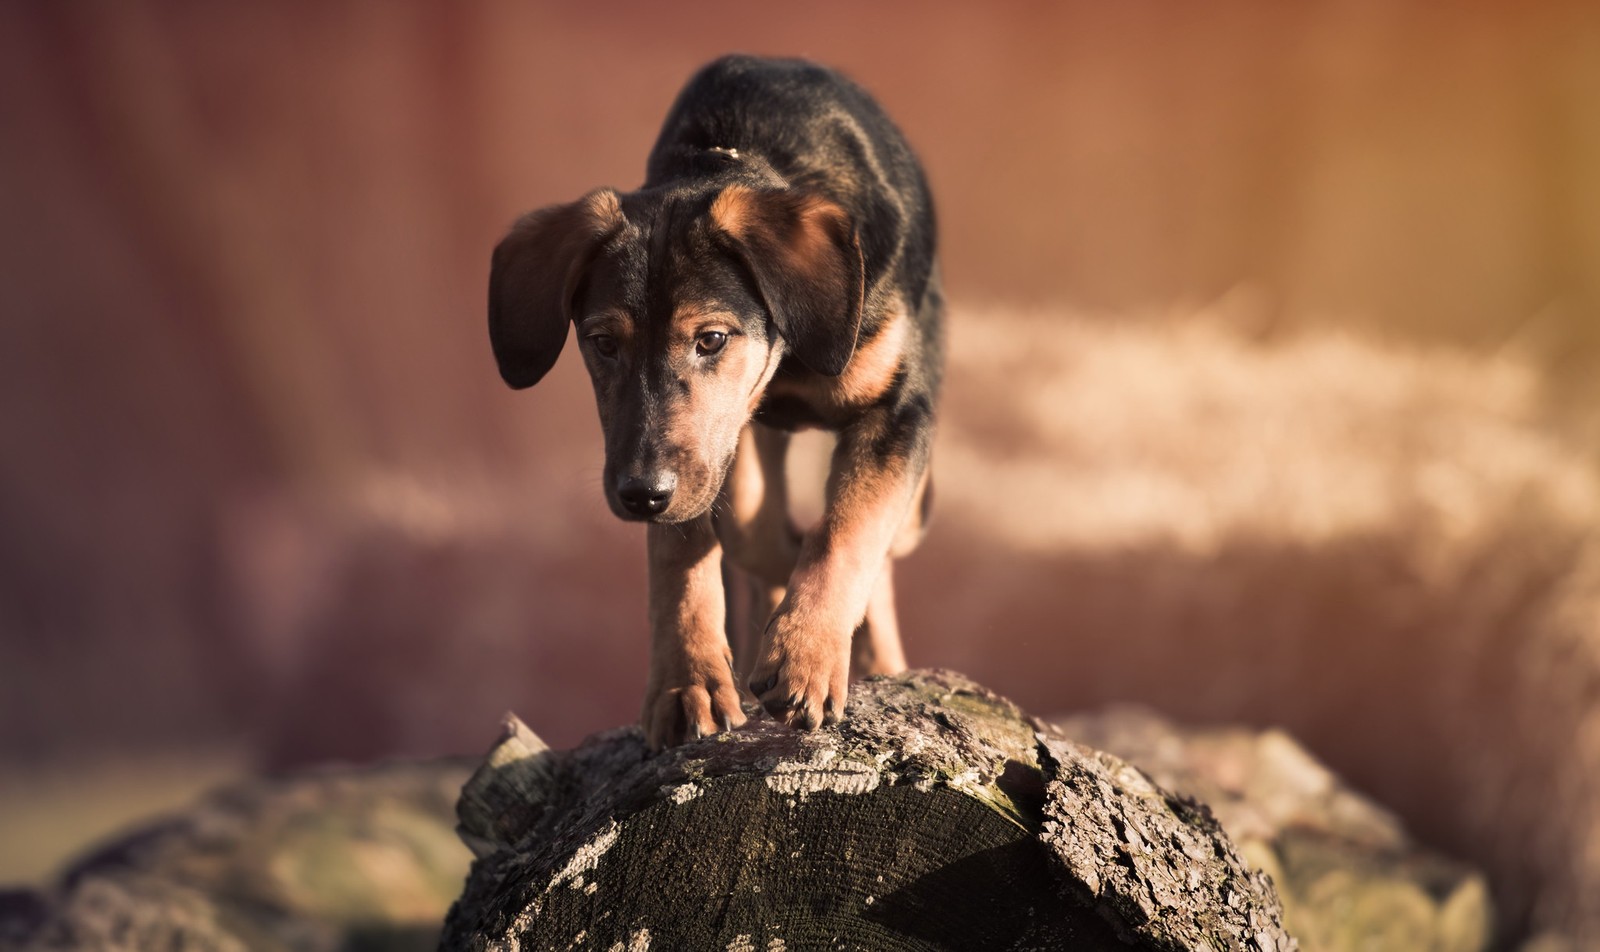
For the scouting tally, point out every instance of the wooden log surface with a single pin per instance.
(936, 816)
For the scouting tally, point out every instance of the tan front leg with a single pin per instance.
(804, 668)
(691, 692)
(752, 522)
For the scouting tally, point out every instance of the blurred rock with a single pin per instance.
(1348, 875)
(342, 859)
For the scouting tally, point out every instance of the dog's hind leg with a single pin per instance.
(875, 647)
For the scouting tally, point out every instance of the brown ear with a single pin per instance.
(535, 274)
(803, 252)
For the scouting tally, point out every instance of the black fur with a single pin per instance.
(796, 124)
(779, 126)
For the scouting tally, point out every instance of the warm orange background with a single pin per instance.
(1276, 332)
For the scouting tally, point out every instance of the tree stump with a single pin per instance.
(936, 816)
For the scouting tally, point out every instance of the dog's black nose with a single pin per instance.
(647, 495)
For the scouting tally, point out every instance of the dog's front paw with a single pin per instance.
(690, 698)
(803, 677)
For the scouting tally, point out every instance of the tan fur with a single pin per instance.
(915, 524)
(832, 585)
(690, 317)
(875, 647)
(606, 208)
(870, 372)
(696, 427)
(689, 650)
(754, 522)
(809, 245)
(731, 209)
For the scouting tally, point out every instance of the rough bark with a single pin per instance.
(936, 816)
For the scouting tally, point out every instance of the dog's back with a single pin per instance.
(808, 127)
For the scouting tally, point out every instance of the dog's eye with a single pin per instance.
(710, 342)
(605, 344)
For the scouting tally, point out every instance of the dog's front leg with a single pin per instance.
(692, 691)
(803, 672)
(752, 521)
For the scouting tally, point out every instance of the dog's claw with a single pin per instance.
(692, 709)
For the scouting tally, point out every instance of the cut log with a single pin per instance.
(937, 816)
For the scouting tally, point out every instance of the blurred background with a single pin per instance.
(1274, 391)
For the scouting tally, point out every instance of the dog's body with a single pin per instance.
(775, 271)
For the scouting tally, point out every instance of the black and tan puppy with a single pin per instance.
(775, 272)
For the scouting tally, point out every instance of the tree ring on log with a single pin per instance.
(894, 868)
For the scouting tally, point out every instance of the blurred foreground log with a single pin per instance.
(338, 860)
(936, 816)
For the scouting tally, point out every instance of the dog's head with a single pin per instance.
(684, 302)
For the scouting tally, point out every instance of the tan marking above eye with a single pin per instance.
(692, 322)
(696, 318)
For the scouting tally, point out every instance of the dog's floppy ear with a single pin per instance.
(535, 275)
(804, 254)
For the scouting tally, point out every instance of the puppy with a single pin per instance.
(775, 272)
